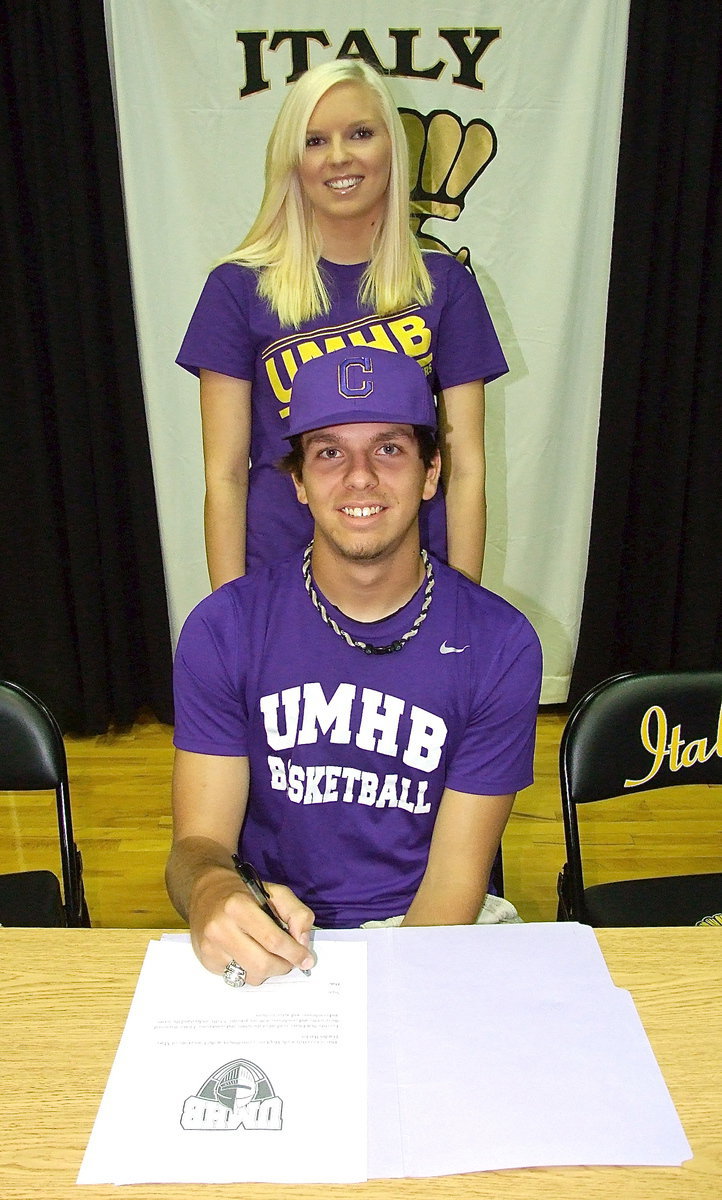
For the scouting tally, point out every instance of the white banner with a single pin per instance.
(523, 101)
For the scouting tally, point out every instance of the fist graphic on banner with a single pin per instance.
(446, 158)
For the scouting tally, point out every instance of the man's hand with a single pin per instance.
(209, 802)
(226, 923)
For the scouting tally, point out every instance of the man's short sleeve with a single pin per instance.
(495, 755)
(209, 679)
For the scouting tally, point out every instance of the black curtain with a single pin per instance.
(653, 596)
(83, 613)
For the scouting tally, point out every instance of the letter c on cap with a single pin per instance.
(355, 377)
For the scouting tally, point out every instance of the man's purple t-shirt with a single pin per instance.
(235, 333)
(349, 752)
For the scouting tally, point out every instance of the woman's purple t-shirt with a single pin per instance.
(235, 333)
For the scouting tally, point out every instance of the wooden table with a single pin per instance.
(64, 997)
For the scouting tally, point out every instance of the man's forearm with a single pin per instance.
(445, 904)
(466, 837)
(190, 861)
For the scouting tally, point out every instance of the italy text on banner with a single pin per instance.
(520, 104)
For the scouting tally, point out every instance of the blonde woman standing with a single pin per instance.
(329, 262)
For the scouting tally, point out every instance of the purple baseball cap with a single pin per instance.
(349, 386)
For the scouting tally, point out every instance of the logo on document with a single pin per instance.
(238, 1095)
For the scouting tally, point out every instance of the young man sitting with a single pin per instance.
(354, 720)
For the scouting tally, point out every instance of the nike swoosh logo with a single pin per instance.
(444, 649)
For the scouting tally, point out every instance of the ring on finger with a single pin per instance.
(234, 974)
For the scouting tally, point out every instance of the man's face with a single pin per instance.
(364, 484)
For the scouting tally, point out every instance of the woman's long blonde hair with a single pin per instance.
(283, 243)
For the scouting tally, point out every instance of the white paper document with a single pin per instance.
(219, 1084)
(511, 1047)
(489, 1047)
(504, 1046)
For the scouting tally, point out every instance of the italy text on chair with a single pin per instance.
(32, 758)
(634, 733)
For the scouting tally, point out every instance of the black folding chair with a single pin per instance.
(635, 733)
(32, 758)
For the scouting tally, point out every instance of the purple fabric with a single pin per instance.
(352, 387)
(235, 333)
(350, 753)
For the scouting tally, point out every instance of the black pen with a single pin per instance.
(254, 883)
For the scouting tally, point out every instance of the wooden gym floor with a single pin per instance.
(120, 786)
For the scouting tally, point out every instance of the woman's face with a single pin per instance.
(345, 167)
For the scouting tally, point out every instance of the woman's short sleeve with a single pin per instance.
(468, 347)
(218, 336)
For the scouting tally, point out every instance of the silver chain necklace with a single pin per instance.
(366, 646)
